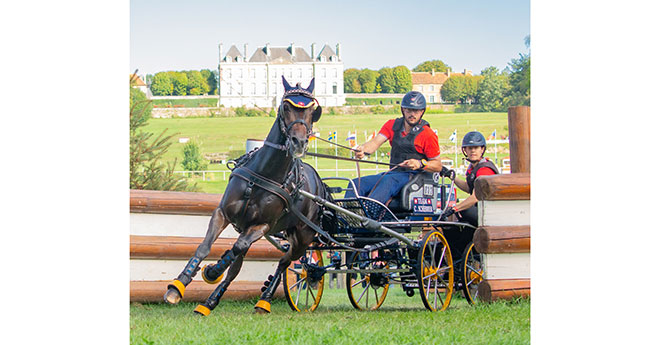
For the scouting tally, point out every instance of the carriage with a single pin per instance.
(403, 243)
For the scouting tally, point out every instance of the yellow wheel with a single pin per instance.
(366, 291)
(435, 272)
(303, 283)
(471, 273)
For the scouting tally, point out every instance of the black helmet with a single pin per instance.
(414, 100)
(473, 138)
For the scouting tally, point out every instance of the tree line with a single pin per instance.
(491, 90)
(183, 83)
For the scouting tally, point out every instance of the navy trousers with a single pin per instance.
(389, 185)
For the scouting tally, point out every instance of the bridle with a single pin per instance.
(285, 129)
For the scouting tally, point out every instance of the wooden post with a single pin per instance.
(519, 134)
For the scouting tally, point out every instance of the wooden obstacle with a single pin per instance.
(167, 227)
(503, 235)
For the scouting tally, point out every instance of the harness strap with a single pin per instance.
(273, 187)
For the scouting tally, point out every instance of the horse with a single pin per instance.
(261, 199)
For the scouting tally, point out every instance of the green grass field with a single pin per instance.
(401, 320)
(227, 135)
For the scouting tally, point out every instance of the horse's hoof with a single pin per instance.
(172, 296)
(262, 307)
(208, 279)
(202, 310)
(258, 310)
(174, 292)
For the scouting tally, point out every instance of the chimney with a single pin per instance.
(293, 50)
(338, 51)
(313, 49)
(448, 72)
(220, 51)
(245, 57)
(268, 49)
(433, 72)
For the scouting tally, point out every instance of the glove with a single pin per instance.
(448, 212)
(446, 172)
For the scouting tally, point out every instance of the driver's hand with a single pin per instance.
(359, 153)
(413, 164)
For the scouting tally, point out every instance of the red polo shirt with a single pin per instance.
(426, 141)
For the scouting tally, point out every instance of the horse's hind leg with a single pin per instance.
(177, 287)
(234, 259)
(299, 244)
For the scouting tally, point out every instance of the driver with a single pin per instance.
(473, 147)
(414, 148)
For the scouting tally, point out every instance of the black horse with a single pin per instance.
(261, 199)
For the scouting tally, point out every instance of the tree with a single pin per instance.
(192, 157)
(162, 84)
(403, 79)
(386, 80)
(351, 84)
(211, 80)
(452, 89)
(520, 81)
(180, 83)
(367, 79)
(146, 171)
(142, 105)
(492, 88)
(197, 85)
(428, 66)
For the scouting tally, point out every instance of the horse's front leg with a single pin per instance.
(177, 287)
(300, 240)
(234, 259)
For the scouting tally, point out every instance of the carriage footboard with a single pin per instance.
(366, 222)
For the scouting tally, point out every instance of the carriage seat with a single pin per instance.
(421, 186)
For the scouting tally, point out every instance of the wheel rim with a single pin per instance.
(362, 293)
(472, 274)
(435, 272)
(301, 293)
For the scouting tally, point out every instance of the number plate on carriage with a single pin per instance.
(428, 190)
(422, 205)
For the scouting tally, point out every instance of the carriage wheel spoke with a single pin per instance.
(299, 289)
(435, 295)
(297, 283)
(358, 282)
(362, 294)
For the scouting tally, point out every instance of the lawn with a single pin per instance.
(227, 135)
(401, 320)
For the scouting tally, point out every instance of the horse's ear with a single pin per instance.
(310, 88)
(287, 87)
(316, 115)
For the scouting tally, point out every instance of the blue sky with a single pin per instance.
(175, 35)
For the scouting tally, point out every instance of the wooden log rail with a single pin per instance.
(187, 203)
(502, 239)
(196, 291)
(174, 247)
(495, 289)
(519, 138)
(503, 187)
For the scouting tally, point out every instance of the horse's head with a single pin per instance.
(296, 115)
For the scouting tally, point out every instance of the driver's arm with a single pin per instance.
(370, 146)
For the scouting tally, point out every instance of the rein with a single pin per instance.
(342, 146)
(321, 155)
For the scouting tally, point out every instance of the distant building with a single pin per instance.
(139, 83)
(430, 83)
(257, 81)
